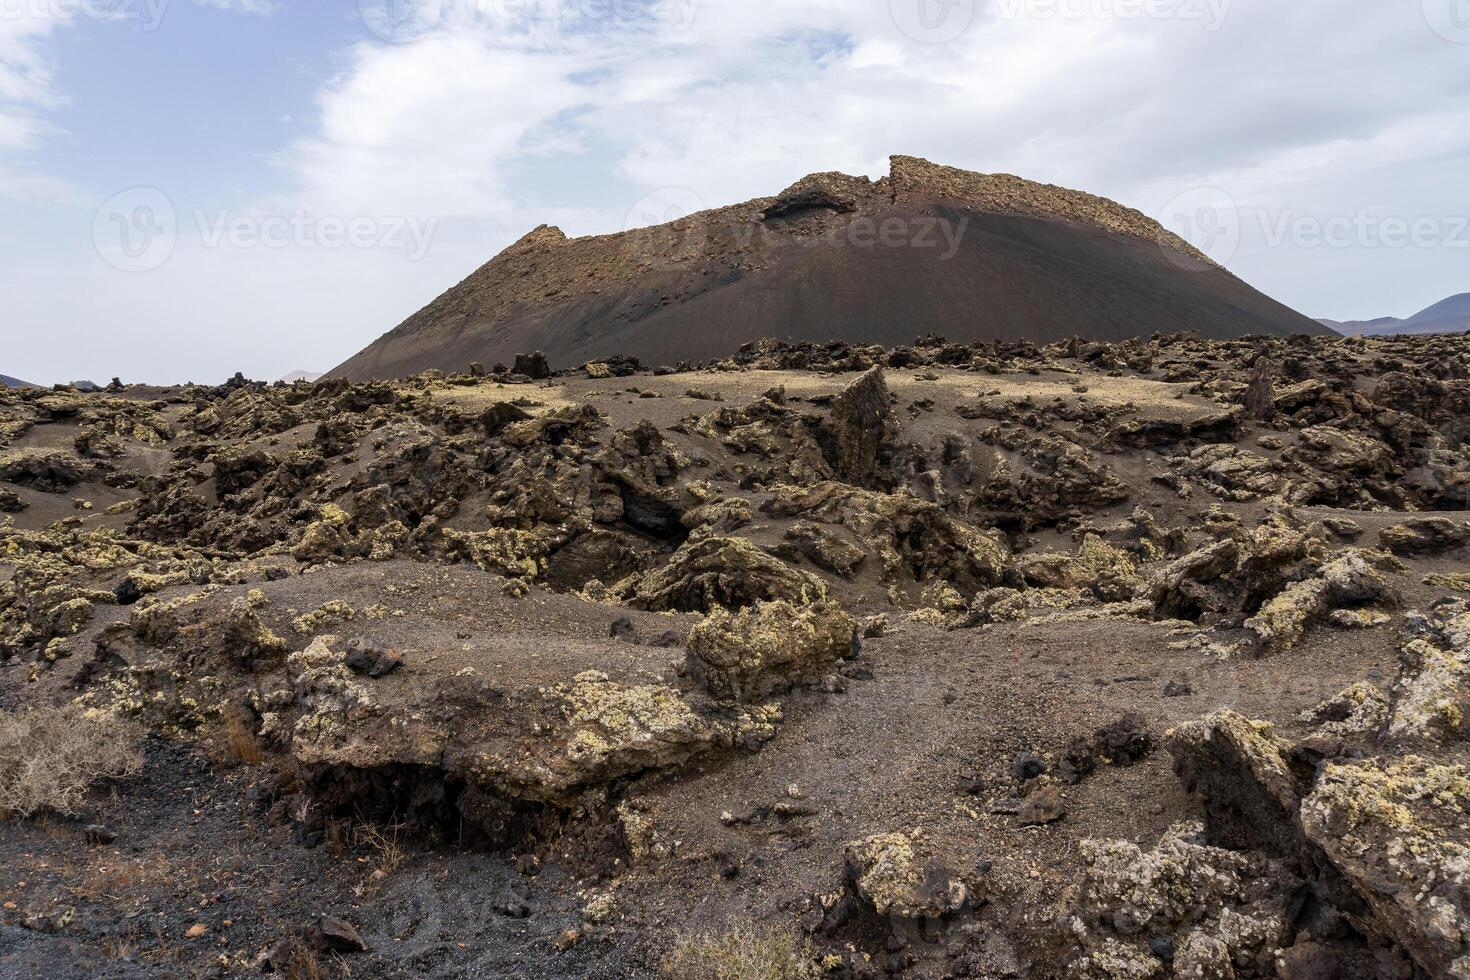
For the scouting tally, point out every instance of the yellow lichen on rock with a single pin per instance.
(768, 647)
(506, 551)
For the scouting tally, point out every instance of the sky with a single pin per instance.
(190, 188)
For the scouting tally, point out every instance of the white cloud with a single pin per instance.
(507, 113)
(734, 97)
(384, 144)
(259, 8)
(28, 91)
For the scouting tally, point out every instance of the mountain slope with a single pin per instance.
(926, 249)
(6, 381)
(1447, 316)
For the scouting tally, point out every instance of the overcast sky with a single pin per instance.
(194, 187)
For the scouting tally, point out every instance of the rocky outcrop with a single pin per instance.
(891, 875)
(860, 415)
(728, 573)
(48, 471)
(1199, 909)
(1398, 832)
(825, 548)
(768, 647)
(1383, 842)
(1240, 769)
(910, 538)
(1431, 699)
(1425, 535)
(1098, 568)
(1352, 579)
(540, 748)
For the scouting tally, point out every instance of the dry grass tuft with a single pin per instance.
(130, 877)
(303, 963)
(240, 736)
(384, 844)
(742, 952)
(117, 948)
(51, 757)
(384, 853)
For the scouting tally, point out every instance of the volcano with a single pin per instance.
(927, 249)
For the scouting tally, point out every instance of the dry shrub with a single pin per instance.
(303, 964)
(383, 844)
(742, 952)
(243, 742)
(50, 757)
(117, 948)
(384, 853)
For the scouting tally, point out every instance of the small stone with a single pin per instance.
(1042, 807)
(1358, 619)
(1028, 766)
(1178, 689)
(1162, 947)
(339, 936)
(99, 834)
(788, 810)
(39, 923)
(512, 903)
(196, 930)
(370, 657)
(127, 592)
(624, 631)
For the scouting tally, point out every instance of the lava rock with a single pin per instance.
(1028, 766)
(371, 658)
(533, 366)
(624, 631)
(1043, 806)
(338, 936)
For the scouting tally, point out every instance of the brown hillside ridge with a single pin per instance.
(976, 257)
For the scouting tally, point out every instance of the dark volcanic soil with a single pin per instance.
(1096, 661)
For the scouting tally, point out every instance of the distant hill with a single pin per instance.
(1447, 316)
(8, 382)
(295, 376)
(927, 249)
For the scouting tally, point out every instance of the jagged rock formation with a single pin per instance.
(926, 248)
(875, 645)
